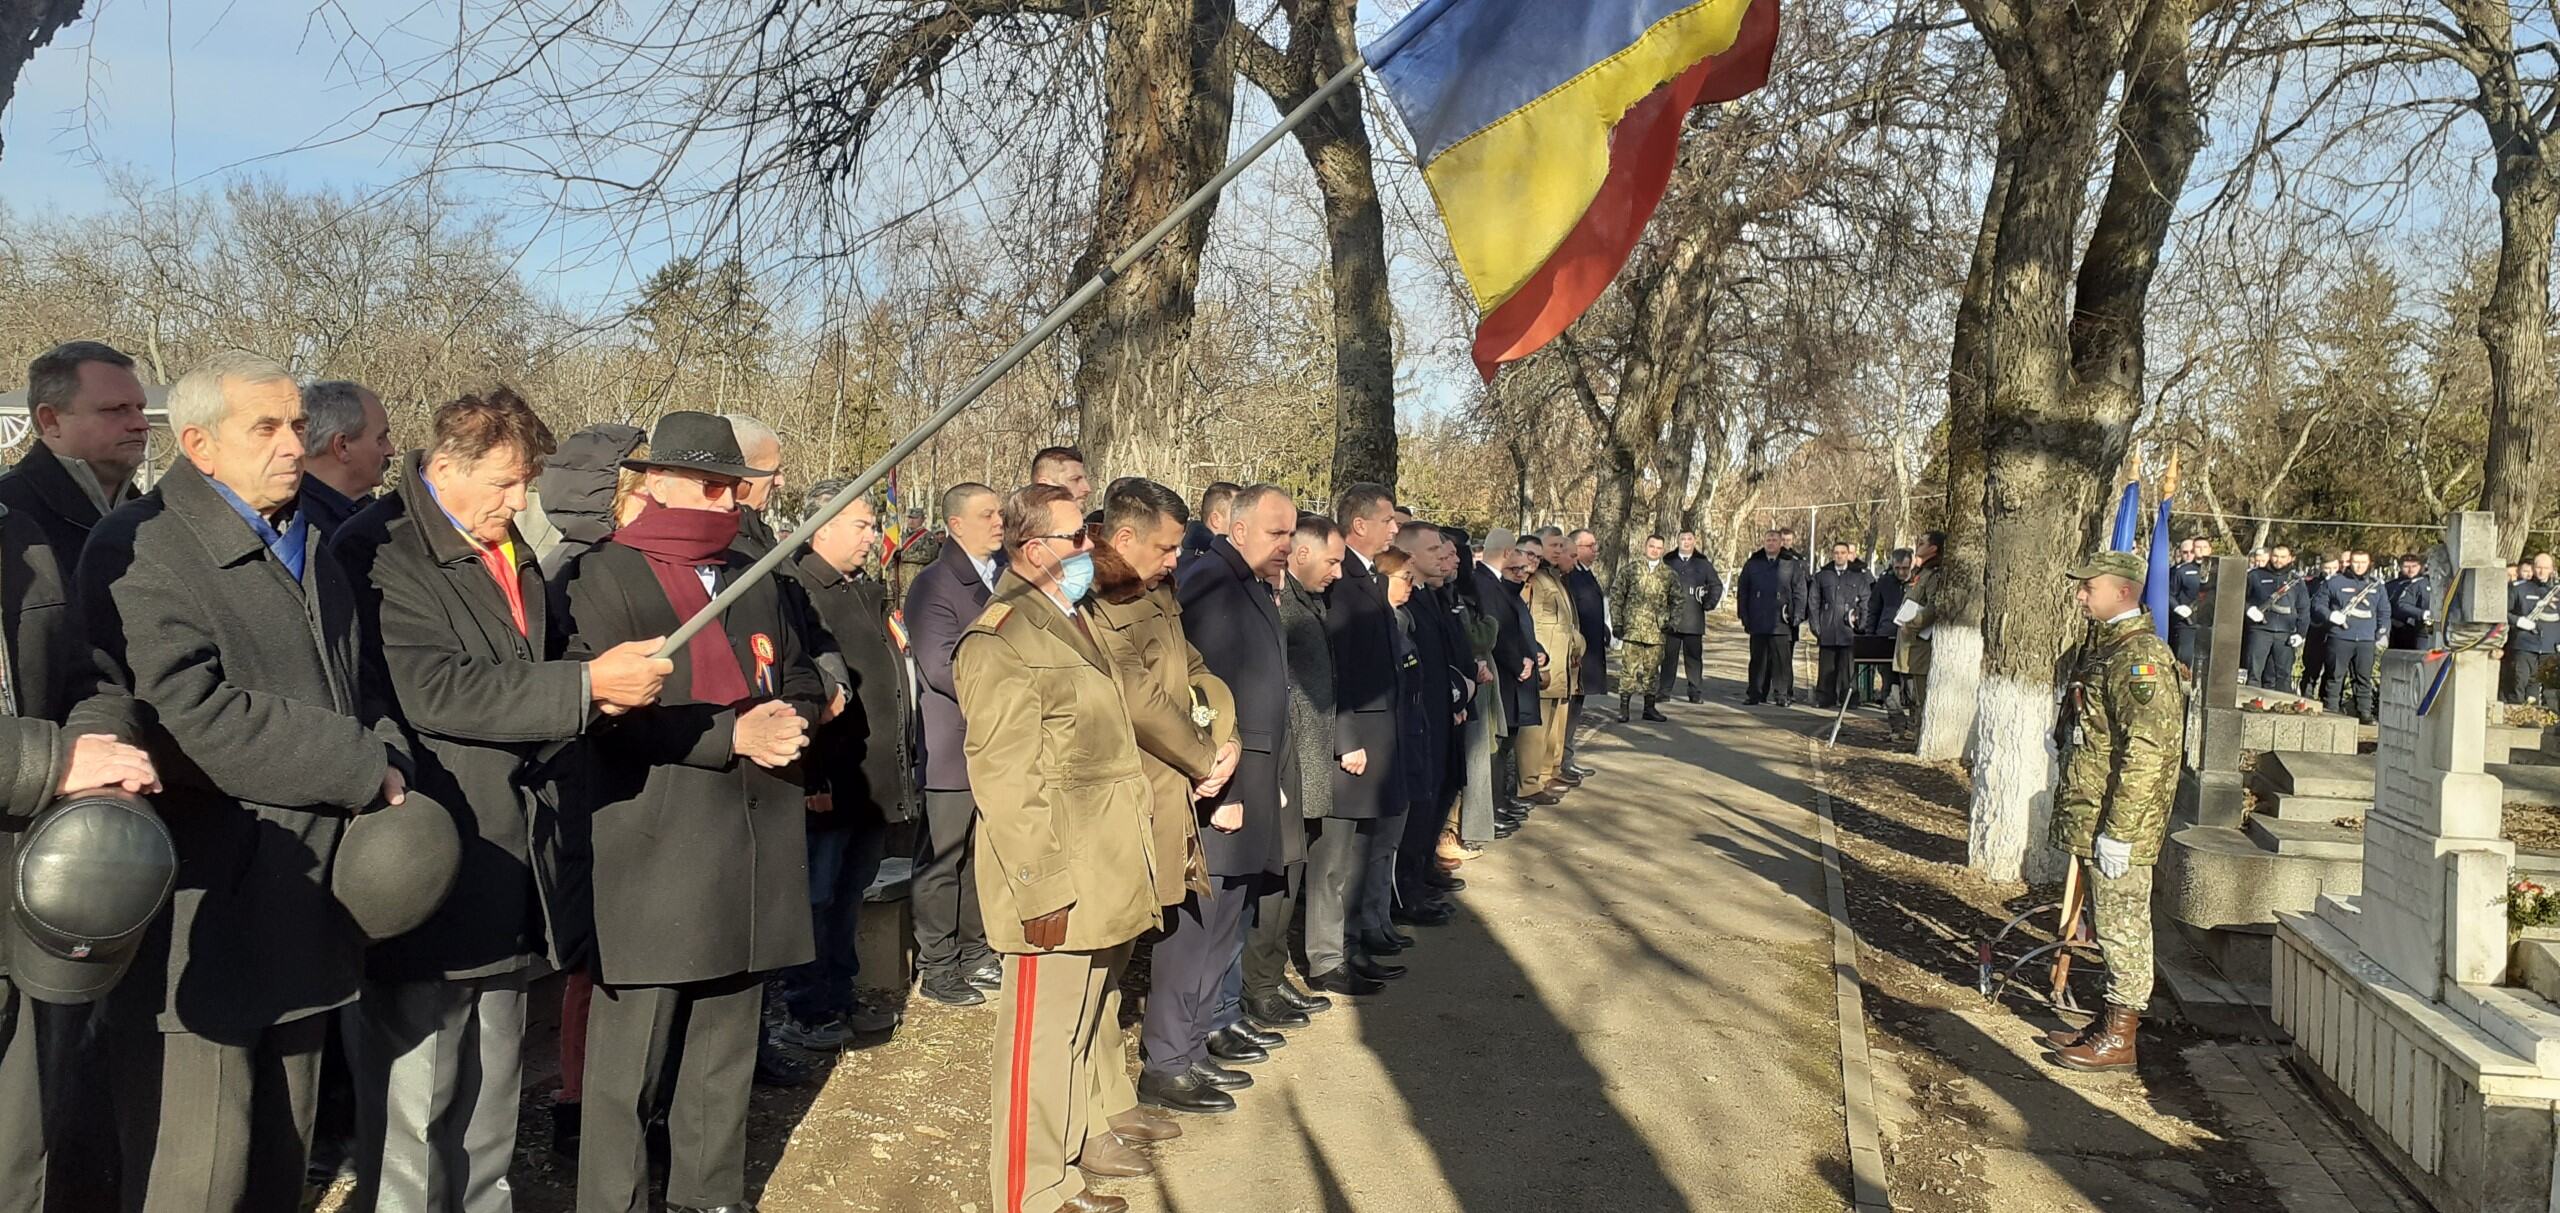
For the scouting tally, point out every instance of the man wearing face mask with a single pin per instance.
(1065, 857)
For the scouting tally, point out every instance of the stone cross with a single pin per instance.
(2435, 868)
(2226, 618)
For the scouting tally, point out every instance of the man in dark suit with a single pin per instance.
(1591, 612)
(58, 738)
(1230, 612)
(87, 405)
(1837, 611)
(212, 602)
(1684, 645)
(1767, 599)
(701, 872)
(1366, 782)
(346, 441)
(1515, 666)
(954, 966)
(1447, 685)
(457, 599)
(860, 776)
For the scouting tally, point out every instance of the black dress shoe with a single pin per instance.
(1377, 944)
(1580, 771)
(1312, 1004)
(1273, 1011)
(951, 988)
(1221, 1077)
(1568, 778)
(740, 1207)
(1345, 982)
(774, 1069)
(1505, 829)
(1226, 1045)
(1547, 797)
(1445, 882)
(564, 1129)
(1184, 1092)
(1697, 697)
(1433, 914)
(988, 975)
(1375, 970)
(1262, 1037)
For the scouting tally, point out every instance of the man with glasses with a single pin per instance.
(1064, 848)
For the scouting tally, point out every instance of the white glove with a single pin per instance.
(2114, 858)
(1910, 611)
(2257, 615)
(2527, 624)
(2184, 611)
(2338, 618)
(2297, 640)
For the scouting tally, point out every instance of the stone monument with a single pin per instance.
(2394, 996)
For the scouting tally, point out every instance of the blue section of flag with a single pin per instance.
(2128, 518)
(1455, 67)
(2155, 582)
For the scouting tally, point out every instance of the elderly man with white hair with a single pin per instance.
(212, 601)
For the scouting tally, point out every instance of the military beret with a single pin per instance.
(2113, 564)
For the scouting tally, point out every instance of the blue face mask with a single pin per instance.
(1075, 576)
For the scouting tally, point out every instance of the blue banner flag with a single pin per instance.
(2128, 518)
(2155, 582)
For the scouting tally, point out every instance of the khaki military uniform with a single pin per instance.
(1063, 822)
(1642, 606)
(2122, 715)
(1540, 749)
(1911, 654)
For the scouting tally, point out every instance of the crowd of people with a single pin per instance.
(406, 727)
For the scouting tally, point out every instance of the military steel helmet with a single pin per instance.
(88, 877)
(395, 865)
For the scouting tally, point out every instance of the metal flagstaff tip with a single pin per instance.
(1047, 328)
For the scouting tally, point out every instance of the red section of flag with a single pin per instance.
(1642, 150)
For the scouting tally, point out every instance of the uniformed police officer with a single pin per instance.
(2315, 649)
(2186, 590)
(2121, 718)
(2351, 601)
(2277, 604)
(1065, 861)
(2533, 608)
(1643, 605)
(2412, 602)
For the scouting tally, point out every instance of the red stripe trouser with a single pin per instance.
(1046, 1077)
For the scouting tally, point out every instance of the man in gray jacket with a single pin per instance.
(212, 602)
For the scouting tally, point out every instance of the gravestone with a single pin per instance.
(2394, 997)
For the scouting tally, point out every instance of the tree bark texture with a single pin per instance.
(2515, 323)
(2065, 371)
(1168, 78)
(1336, 144)
(28, 26)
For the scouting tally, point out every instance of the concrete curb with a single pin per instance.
(1870, 1192)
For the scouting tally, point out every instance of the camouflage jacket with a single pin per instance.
(2122, 715)
(1645, 600)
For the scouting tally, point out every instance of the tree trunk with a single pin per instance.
(1955, 663)
(27, 26)
(1168, 82)
(2065, 390)
(2515, 326)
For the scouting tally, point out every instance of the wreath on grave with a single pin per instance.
(2531, 905)
(2282, 706)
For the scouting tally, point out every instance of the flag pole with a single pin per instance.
(1047, 328)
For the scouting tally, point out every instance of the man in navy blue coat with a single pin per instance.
(954, 966)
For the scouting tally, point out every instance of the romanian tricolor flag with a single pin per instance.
(891, 520)
(1547, 130)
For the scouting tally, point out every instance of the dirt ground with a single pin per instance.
(1975, 1119)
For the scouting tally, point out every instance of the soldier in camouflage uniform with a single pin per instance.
(1642, 606)
(2121, 717)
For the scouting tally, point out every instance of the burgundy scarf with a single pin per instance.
(677, 542)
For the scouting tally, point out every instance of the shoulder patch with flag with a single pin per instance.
(1547, 130)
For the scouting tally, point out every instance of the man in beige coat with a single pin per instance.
(1541, 746)
(1065, 853)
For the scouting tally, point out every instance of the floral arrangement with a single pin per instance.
(2295, 706)
(1202, 715)
(2531, 715)
(2530, 905)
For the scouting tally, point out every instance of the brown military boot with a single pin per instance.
(2110, 1047)
(2066, 1035)
(1107, 1156)
(1135, 1126)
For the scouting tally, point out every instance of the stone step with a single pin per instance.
(2223, 877)
(2320, 809)
(2534, 784)
(2300, 773)
(2201, 994)
(2306, 839)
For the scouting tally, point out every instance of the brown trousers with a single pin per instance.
(1047, 1081)
(1540, 748)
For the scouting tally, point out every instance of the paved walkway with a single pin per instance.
(1635, 1012)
